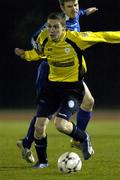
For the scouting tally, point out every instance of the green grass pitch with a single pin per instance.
(104, 165)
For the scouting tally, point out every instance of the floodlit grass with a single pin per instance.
(104, 165)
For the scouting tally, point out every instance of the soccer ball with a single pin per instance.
(69, 162)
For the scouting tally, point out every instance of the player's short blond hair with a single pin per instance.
(63, 1)
(58, 15)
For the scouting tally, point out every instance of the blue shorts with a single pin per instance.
(42, 76)
(61, 98)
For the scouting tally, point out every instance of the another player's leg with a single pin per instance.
(85, 112)
(84, 115)
(25, 144)
(42, 77)
(67, 108)
(71, 130)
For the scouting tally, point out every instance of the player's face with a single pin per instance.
(71, 8)
(55, 29)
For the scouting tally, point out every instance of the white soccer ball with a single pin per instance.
(69, 162)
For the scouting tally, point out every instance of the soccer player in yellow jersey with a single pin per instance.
(73, 15)
(64, 90)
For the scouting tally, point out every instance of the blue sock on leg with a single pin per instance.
(83, 118)
(29, 138)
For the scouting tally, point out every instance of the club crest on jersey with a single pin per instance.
(67, 50)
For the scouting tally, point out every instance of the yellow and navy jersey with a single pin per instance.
(65, 56)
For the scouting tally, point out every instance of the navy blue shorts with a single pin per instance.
(61, 98)
(42, 76)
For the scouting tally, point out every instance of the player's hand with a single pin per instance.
(91, 10)
(20, 52)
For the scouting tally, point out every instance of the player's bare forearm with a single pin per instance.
(91, 10)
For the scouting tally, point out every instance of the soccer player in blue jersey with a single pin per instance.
(73, 14)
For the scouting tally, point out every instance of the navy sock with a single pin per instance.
(78, 134)
(83, 118)
(41, 149)
(29, 138)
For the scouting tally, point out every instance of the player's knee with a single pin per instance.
(60, 124)
(63, 125)
(88, 104)
(40, 128)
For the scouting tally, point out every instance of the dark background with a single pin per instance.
(20, 19)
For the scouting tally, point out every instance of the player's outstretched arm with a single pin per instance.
(91, 10)
(28, 55)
